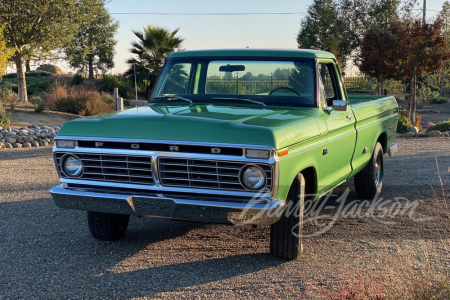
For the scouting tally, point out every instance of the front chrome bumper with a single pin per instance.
(392, 150)
(255, 212)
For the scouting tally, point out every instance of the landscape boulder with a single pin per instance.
(408, 134)
(434, 133)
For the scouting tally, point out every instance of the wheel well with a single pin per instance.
(310, 182)
(382, 139)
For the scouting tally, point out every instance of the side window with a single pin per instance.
(327, 80)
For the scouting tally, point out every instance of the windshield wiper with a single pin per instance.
(175, 97)
(241, 99)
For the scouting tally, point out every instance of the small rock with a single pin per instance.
(26, 145)
(50, 135)
(1, 128)
(10, 140)
(33, 126)
(2, 140)
(8, 145)
(408, 134)
(4, 131)
(421, 135)
(414, 129)
(34, 144)
(19, 139)
(445, 134)
(17, 145)
(55, 127)
(434, 133)
(11, 133)
(43, 143)
(2, 145)
(27, 139)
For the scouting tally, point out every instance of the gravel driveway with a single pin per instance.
(48, 253)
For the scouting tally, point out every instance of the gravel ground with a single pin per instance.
(48, 253)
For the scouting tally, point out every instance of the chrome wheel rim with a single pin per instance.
(378, 171)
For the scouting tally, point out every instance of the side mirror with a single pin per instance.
(340, 105)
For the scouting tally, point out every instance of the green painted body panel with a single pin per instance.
(305, 131)
(373, 119)
(276, 53)
(275, 127)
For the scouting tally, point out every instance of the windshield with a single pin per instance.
(220, 80)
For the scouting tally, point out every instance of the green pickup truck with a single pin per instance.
(228, 136)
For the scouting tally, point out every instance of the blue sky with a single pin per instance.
(212, 32)
(206, 32)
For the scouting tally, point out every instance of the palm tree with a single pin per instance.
(149, 52)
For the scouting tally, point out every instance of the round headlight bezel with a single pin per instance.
(78, 172)
(242, 174)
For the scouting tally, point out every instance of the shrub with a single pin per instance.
(441, 126)
(439, 100)
(108, 83)
(77, 79)
(35, 85)
(404, 123)
(39, 103)
(8, 98)
(4, 116)
(30, 74)
(78, 100)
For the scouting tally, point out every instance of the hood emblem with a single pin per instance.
(135, 146)
(174, 148)
(215, 150)
(98, 144)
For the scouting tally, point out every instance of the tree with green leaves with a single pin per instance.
(30, 25)
(338, 26)
(323, 29)
(5, 54)
(93, 46)
(149, 51)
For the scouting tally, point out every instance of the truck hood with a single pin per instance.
(210, 123)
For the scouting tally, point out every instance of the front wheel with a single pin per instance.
(107, 227)
(285, 234)
(369, 181)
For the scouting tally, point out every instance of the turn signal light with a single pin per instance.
(283, 153)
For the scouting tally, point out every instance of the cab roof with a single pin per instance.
(284, 53)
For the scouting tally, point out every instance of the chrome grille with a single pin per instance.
(197, 173)
(114, 168)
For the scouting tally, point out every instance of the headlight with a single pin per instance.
(73, 166)
(253, 177)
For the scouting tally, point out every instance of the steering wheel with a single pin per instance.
(284, 88)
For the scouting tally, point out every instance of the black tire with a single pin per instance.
(107, 227)
(285, 234)
(369, 181)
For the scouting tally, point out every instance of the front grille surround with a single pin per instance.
(212, 174)
(111, 175)
(110, 167)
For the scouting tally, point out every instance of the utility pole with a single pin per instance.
(135, 81)
(424, 11)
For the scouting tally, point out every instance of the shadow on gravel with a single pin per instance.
(48, 253)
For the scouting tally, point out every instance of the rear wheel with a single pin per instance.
(369, 181)
(107, 227)
(285, 234)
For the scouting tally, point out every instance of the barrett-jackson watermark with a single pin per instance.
(381, 210)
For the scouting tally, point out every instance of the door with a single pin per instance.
(340, 124)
